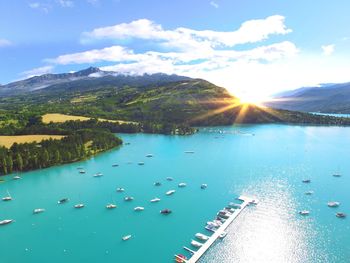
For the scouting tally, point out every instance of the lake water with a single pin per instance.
(264, 161)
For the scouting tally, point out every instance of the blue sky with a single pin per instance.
(252, 47)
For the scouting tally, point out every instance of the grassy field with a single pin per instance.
(7, 141)
(57, 117)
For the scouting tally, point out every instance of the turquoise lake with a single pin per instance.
(267, 162)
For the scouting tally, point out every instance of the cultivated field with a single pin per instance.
(57, 117)
(7, 141)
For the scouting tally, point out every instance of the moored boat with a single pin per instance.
(223, 235)
(141, 163)
(128, 198)
(149, 155)
(155, 200)
(204, 186)
(157, 184)
(336, 175)
(98, 175)
(340, 215)
(309, 192)
(8, 197)
(17, 177)
(111, 206)
(201, 236)
(63, 200)
(38, 210)
(306, 181)
(6, 221)
(79, 206)
(169, 179)
(120, 189)
(127, 237)
(165, 211)
(170, 192)
(180, 258)
(139, 208)
(304, 212)
(333, 204)
(196, 243)
(189, 151)
(182, 185)
(115, 165)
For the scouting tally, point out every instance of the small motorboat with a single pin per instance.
(127, 237)
(196, 243)
(189, 151)
(128, 198)
(80, 168)
(234, 205)
(165, 211)
(155, 200)
(63, 200)
(115, 165)
(333, 204)
(82, 171)
(182, 185)
(201, 236)
(306, 181)
(139, 208)
(79, 206)
(223, 235)
(157, 184)
(149, 155)
(204, 186)
(304, 212)
(38, 210)
(6, 221)
(141, 163)
(17, 177)
(169, 179)
(111, 206)
(180, 258)
(210, 228)
(170, 192)
(120, 189)
(336, 175)
(340, 215)
(309, 192)
(98, 175)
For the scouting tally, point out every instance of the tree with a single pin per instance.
(57, 157)
(9, 164)
(4, 166)
(19, 162)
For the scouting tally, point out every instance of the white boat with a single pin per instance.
(204, 186)
(340, 215)
(304, 212)
(17, 177)
(170, 192)
(201, 236)
(38, 210)
(8, 197)
(149, 155)
(119, 189)
(124, 238)
(128, 198)
(98, 175)
(82, 171)
(79, 206)
(182, 184)
(139, 208)
(223, 235)
(234, 205)
(6, 221)
(155, 200)
(169, 179)
(196, 243)
(111, 206)
(333, 204)
(63, 200)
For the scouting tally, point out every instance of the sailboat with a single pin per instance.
(8, 197)
(111, 205)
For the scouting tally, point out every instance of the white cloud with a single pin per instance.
(37, 71)
(65, 3)
(93, 2)
(40, 6)
(328, 49)
(5, 42)
(214, 4)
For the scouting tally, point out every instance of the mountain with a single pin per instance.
(327, 98)
(156, 98)
(91, 74)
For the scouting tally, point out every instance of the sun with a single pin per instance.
(252, 99)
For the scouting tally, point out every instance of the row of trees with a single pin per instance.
(77, 146)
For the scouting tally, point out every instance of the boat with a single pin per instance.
(6, 221)
(336, 175)
(149, 155)
(165, 211)
(82, 171)
(201, 236)
(127, 237)
(306, 181)
(98, 175)
(128, 198)
(38, 210)
(157, 184)
(196, 243)
(170, 192)
(119, 189)
(141, 163)
(115, 165)
(309, 192)
(139, 208)
(340, 215)
(17, 177)
(111, 206)
(8, 197)
(333, 204)
(169, 179)
(63, 200)
(204, 186)
(223, 235)
(182, 185)
(189, 151)
(155, 200)
(80, 168)
(304, 212)
(234, 205)
(210, 228)
(79, 206)
(180, 258)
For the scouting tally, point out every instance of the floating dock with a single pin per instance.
(200, 252)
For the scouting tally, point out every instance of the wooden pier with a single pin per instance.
(200, 252)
